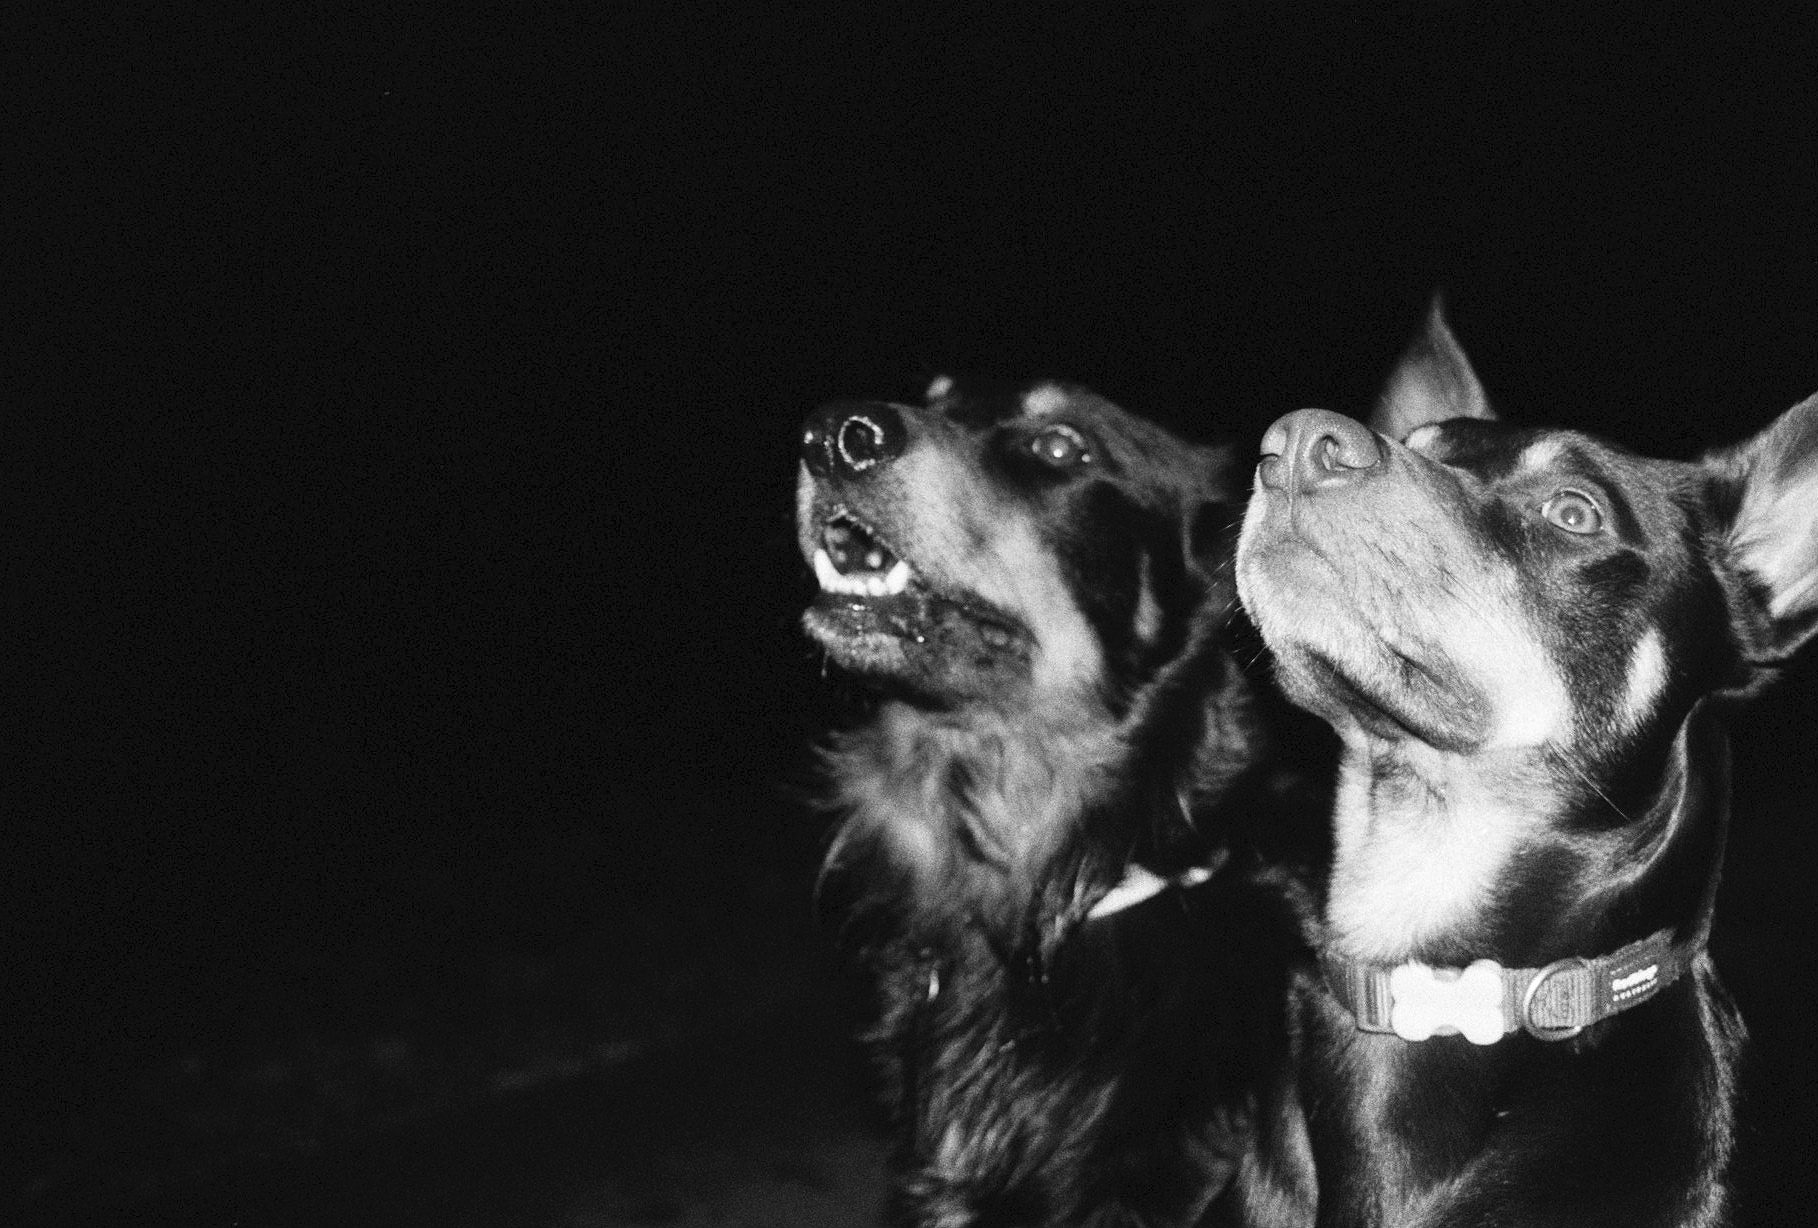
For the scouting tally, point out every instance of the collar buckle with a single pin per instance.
(1576, 990)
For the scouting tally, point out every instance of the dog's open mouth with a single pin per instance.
(852, 562)
(878, 615)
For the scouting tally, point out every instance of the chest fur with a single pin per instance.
(984, 795)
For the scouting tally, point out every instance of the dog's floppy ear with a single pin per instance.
(1214, 517)
(1226, 470)
(1432, 382)
(1773, 539)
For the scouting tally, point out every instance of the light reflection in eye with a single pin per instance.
(1574, 511)
(1060, 446)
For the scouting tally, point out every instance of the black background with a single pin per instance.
(399, 439)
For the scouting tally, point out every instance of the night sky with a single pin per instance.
(400, 419)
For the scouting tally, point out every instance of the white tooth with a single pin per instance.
(898, 578)
(874, 586)
(826, 572)
(874, 559)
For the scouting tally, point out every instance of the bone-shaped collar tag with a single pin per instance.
(1428, 1001)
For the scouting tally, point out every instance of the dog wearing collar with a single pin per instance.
(1059, 846)
(1524, 638)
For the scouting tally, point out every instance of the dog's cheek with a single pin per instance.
(1591, 610)
(1146, 624)
(1124, 562)
(1183, 581)
(1210, 536)
(1609, 617)
(1104, 571)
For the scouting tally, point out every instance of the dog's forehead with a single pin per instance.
(1509, 458)
(986, 409)
(1486, 448)
(1562, 451)
(1136, 436)
(1650, 496)
(1046, 400)
(987, 405)
(974, 407)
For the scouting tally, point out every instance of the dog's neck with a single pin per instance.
(967, 807)
(1516, 854)
(1420, 840)
(1545, 885)
(977, 813)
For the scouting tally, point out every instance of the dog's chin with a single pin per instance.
(922, 645)
(1392, 709)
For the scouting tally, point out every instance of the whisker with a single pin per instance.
(1570, 759)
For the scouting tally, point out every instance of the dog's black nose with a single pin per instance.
(851, 438)
(1314, 448)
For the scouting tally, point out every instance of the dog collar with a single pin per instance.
(1485, 1001)
(1141, 883)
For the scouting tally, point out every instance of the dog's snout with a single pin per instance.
(1314, 448)
(851, 438)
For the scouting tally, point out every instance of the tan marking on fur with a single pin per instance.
(1422, 437)
(1045, 399)
(1542, 453)
(1420, 856)
(1148, 619)
(1528, 694)
(1647, 678)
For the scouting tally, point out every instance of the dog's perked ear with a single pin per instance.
(1432, 382)
(1772, 483)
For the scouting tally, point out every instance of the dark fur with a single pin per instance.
(1524, 778)
(1047, 1067)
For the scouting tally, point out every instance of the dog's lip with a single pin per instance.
(853, 559)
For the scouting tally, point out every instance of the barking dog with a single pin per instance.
(1522, 638)
(1044, 851)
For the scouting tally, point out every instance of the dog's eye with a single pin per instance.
(1573, 511)
(1061, 447)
